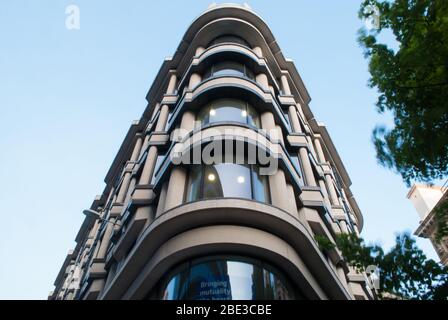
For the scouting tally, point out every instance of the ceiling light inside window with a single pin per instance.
(240, 179)
(211, 177)
(244, 113)
(212, 112)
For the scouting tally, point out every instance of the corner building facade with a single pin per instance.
(223, 230)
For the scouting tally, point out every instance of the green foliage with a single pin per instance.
(357, 253)
(405, 271)
(441, 215)
(324, 243)
(412, 84)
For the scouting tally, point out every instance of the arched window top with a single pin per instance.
(228, 38)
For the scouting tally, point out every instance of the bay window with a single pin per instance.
(229, 68)
(227, 180)
(228, 110)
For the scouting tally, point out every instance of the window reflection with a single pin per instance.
(227, 180)
(296, 162)
(194, 187)
(228, 110)
(221, 278)
(159, 161)
(243, 281)
(210, 281)
(260, 186)
(177, 287)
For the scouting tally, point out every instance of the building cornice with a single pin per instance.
(427, 225)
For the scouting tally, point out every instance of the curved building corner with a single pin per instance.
(171, 224)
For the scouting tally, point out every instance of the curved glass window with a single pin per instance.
(227, 180)
(229, 68)
(229, 39)
(227, 278)
(225, 110)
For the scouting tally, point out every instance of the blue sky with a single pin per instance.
(67, 99)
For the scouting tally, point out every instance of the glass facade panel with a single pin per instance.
(210, 281)
(229, 68)
(159, 161)
(222, 278)
(227, 180)
(253, 118)
(245, 281)
(228, 110)
(274, 288)
(194, 187)
(260, 186)
(177, 287)
(296, 162)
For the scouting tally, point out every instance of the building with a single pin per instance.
(234, 229)
(427, 200)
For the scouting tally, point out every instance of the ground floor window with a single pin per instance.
(226, 278)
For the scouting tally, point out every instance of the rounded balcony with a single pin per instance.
(233, 52)
(229, 225)
(246, 142)
(229, 86)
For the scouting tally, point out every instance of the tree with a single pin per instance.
(405, 271)
(412, 84)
